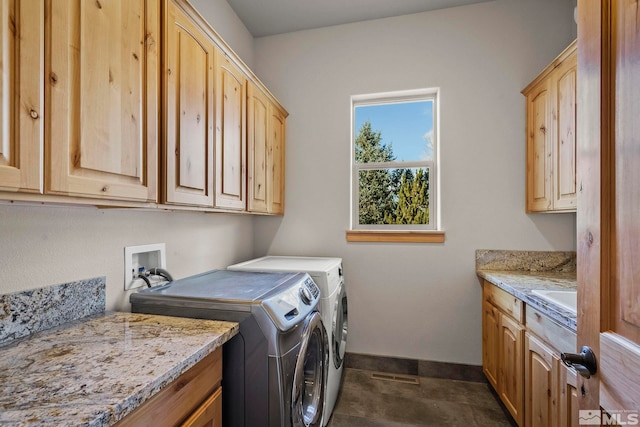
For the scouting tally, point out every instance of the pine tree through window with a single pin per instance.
(394, 161)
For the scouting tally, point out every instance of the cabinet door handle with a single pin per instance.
(584, 362)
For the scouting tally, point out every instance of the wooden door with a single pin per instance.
(189, 111)
(539, 153)
(490, 342)
(540, 384)
(231, 141)
(102, 85)
(21, 89)
(275, 160)
(510, 386)
(564, 117)
(257, 147)
(609, 203)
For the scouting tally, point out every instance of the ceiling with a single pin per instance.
(269, 17)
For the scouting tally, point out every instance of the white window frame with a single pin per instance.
(428, 94)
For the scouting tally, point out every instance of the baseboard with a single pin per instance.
(421, 368)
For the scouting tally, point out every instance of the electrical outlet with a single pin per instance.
(144, 256)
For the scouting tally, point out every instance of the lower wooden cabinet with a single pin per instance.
(193, 399)
(569, 406)
(490, 342)
(209, 414)
(510, 377)
(521, 360)
(502, 340)
(541, 383)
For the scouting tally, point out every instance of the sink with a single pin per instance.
(565, 299)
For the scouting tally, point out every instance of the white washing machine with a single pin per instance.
(327, 274)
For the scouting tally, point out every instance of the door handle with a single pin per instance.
(584, 362)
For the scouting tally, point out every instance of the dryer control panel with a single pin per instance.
(293, 303)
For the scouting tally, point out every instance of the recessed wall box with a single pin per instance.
(142, 257)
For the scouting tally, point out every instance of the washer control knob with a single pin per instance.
(305, 295)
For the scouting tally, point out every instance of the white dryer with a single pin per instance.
(327, 274)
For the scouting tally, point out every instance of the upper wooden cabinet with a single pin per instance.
(21, 86)
(91, 114)
(231, 136)
(275, 160)
(258, 146)
(551, 136)
(102, 81)
(266, 131)
(189, 111)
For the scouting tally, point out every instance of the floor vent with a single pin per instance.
(407, 379)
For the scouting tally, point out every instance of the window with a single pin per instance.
(394, 161)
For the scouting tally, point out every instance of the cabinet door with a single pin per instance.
(209, 414)
(569, 398)
(275, 160)
(490, 342)
(102, 88)
(539, 154)
(257, 148)
(189, 111)
(564, 115)
(510, 375)
(21, 86)
(541, 384)
(231, 138)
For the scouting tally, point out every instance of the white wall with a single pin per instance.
(46, 245)
(42, 246)
(417, 300)
(224, 20)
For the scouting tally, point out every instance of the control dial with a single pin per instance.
(305, 295)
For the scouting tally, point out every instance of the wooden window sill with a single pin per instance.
(395, 236)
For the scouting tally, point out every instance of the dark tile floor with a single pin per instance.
(368, 402)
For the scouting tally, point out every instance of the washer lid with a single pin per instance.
(220, 285)
(289, 263)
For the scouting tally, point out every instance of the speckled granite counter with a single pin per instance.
(65, 362)
(95, 371)
(520, 272)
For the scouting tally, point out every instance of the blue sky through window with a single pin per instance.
(407, 126)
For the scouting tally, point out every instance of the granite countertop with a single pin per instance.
(94, 371)
(520, 272)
